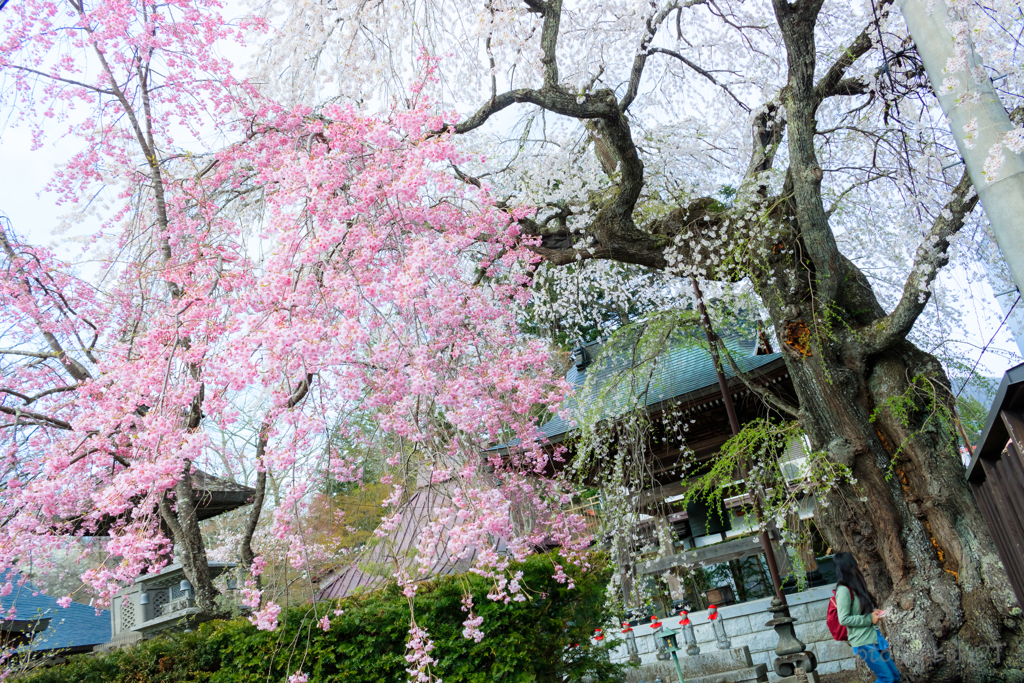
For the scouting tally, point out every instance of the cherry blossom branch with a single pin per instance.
(69, 81)
(932, 254)
(653, 23)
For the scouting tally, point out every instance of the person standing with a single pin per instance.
(856, 610)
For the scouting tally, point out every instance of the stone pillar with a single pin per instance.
(634, 654)
(675, 586)
(625, 575)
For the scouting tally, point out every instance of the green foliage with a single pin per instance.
(925, 408)
(780, 470)
(525, 642)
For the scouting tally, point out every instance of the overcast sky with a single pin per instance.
(24, 173)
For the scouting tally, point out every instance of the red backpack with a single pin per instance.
(832, 620)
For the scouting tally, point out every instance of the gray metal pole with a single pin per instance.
(1003, 198)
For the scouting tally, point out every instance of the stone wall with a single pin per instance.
(744, 624)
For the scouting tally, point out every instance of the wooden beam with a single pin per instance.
(660, 493)
(736, 549)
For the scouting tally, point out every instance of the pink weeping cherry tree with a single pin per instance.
(323, 261)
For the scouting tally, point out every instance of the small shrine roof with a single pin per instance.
(214, 496)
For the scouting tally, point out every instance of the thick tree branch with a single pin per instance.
(932, 255)
(654, 22)
(797, 22)
(834, 82)
(29, 354)
(36, 418)
(767, 131)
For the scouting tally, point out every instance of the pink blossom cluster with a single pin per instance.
(266, 619)
(419, 647)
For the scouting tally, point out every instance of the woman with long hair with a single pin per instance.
(856, 610)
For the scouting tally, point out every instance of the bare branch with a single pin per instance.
(36, 397)
(69, 81)
(703, 72)
(752, 384)
(30, 354)
(36, 418)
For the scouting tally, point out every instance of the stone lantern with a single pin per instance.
(155, 603)
(793, 662)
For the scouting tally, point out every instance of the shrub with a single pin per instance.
(545, 639)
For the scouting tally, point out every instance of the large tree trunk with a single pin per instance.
(189, 548)
(883, 407)
(910, 518)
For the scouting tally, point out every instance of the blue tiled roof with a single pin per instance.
(76, 626)
(684, 368)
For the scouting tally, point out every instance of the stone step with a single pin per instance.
(754, 674)
(717, 665)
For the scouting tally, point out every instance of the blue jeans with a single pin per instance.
(879, 660)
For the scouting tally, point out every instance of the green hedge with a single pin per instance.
(544, 639)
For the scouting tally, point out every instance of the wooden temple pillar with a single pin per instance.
(675, 584)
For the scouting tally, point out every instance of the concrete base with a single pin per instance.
(801, 677)
(754, 674)
(717, 666)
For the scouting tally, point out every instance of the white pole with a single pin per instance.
(973, 98)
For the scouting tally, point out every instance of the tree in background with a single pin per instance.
(321, 264)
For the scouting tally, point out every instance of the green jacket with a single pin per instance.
(859, 629)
